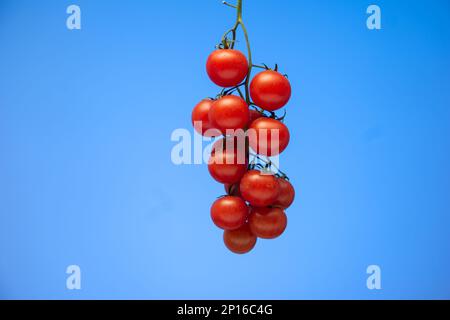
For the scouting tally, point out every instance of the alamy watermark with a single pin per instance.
(73, 21)
(374, 20)
(374, 280)
(73, 281)
(244, 146)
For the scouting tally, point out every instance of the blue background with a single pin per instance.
(86, 176)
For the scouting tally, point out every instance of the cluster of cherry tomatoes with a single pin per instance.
(249, 132)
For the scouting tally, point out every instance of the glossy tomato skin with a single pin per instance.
(229, 112)
(200, 113)
(259, 189)
(270, 90)
(260, 136)
(267, 223)
(226, 167)
(227, 67)
(286, 195)
(229, 213)
(239, 241)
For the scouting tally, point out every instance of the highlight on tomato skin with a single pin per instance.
(239, 241)
(270, 90)
(227, 67)
(229, 212)
(267, 222)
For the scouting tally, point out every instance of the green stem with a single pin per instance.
(240, 22)
(228, 4)
(250, 65)
(258, 66)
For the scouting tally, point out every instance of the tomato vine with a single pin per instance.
(257, 191)
(233, 30)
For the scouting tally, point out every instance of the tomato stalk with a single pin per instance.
(269, 163)
(261, 67)
(240, 22)
(229, 90)
(230, 44)
(228, 4)
(225, 42)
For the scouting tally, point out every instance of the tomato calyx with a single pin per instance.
(274, 116)
(265, 165)
(263, 66)
(267, 68)
(226, 43)
(268, 114)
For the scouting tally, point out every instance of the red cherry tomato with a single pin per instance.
(227, 67)
(259, 189)
(240, 240)
(229, 112)
(260, 136)
(286, 195)
(226, 167)
(267, 223)
(253, 115)
(270, 90)
(200, 113)
(229, 213)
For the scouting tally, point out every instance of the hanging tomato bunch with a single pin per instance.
(243, 115)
